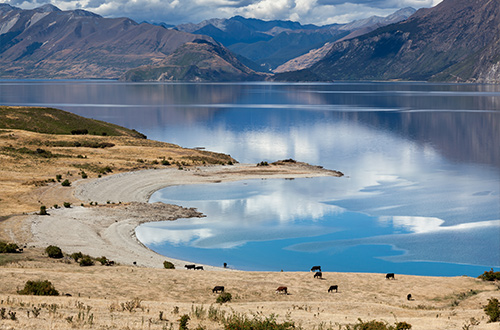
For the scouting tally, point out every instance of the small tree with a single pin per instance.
(54, 252)
(66, 183)
(493, 310)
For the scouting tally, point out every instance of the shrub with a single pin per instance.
(165, 162)
(263, 163)
(224, 297)
(493, 310)
(43, 210)
(80, 132)
(490, 276)
(84, 175)
(76, 256)
(67, 205)
(66, 183)
(8, 247)
(168, 265)
(58, 177)
(86, 261)
(54, 252)
(183, 321)
(378, 325)
(39, 288)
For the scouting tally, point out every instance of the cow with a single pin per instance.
(408, 297)
(316, 269)
(389, 276)
(333, 287)
(190, 266)
(318, 275)
(198, 268)
(218, 289)
(282, 289)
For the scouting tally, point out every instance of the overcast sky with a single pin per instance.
(318, 12)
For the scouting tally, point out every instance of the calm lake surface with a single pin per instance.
(422, 165)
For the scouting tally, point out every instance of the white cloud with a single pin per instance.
(176, 11)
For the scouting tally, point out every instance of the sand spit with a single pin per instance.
(108, 229)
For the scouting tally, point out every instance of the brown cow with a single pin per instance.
(389, 276)
(218, 289)
(282, 289)
(318, 275)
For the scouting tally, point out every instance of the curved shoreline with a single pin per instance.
(109, 228)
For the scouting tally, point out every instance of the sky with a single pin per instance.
(319, 12)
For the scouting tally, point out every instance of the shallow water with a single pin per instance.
(422, 165)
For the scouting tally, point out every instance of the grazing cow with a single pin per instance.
(198, 268)
(389, 276)
(316, 269)
(190, 266)
(408, 297)
(318, 275)
(333, 287)
(218, 289)
(282, 289)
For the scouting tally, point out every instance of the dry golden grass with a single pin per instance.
(108, 294)
(23, 176)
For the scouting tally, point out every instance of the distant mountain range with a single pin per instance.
(458, 40)
(272, 43)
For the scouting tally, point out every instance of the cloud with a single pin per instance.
(183, 11)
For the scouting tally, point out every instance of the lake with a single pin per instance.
(421, 162)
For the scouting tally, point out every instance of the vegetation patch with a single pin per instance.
(490, 276)
(8, 247)
(493, 310)
(54, 252)
(55, 121)
(39, 288)
(168, 265)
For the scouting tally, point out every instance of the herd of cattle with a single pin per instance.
(284, 289)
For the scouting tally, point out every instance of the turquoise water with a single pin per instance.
(422, 165)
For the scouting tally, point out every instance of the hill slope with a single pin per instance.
(196, 61)
(455, 41)
(49, 43)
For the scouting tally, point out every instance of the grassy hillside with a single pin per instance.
(55, 121)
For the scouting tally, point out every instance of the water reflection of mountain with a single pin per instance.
(460, 121)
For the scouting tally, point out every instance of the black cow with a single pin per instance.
(198, 268)
(282, 289)
(190, 266)
(218, 289)
(333, 287)
(318, 275)
(408, 297)
(389, 276)
(316, 269)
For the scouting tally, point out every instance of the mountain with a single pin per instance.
(199, 60)
(457, 40)
(272, 43)
(49, 43)
(355, 29)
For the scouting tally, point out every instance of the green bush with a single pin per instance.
(377, 325)
(86, 261)
(76, 256)
(54, 252)
(168, 265)
(224, 297)
(263, 163)
(490, 276)
(493, 310)
(39, 288)
(66, 183)
(58, 177)
(8, 247)
(43, 210)
(67, 205)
